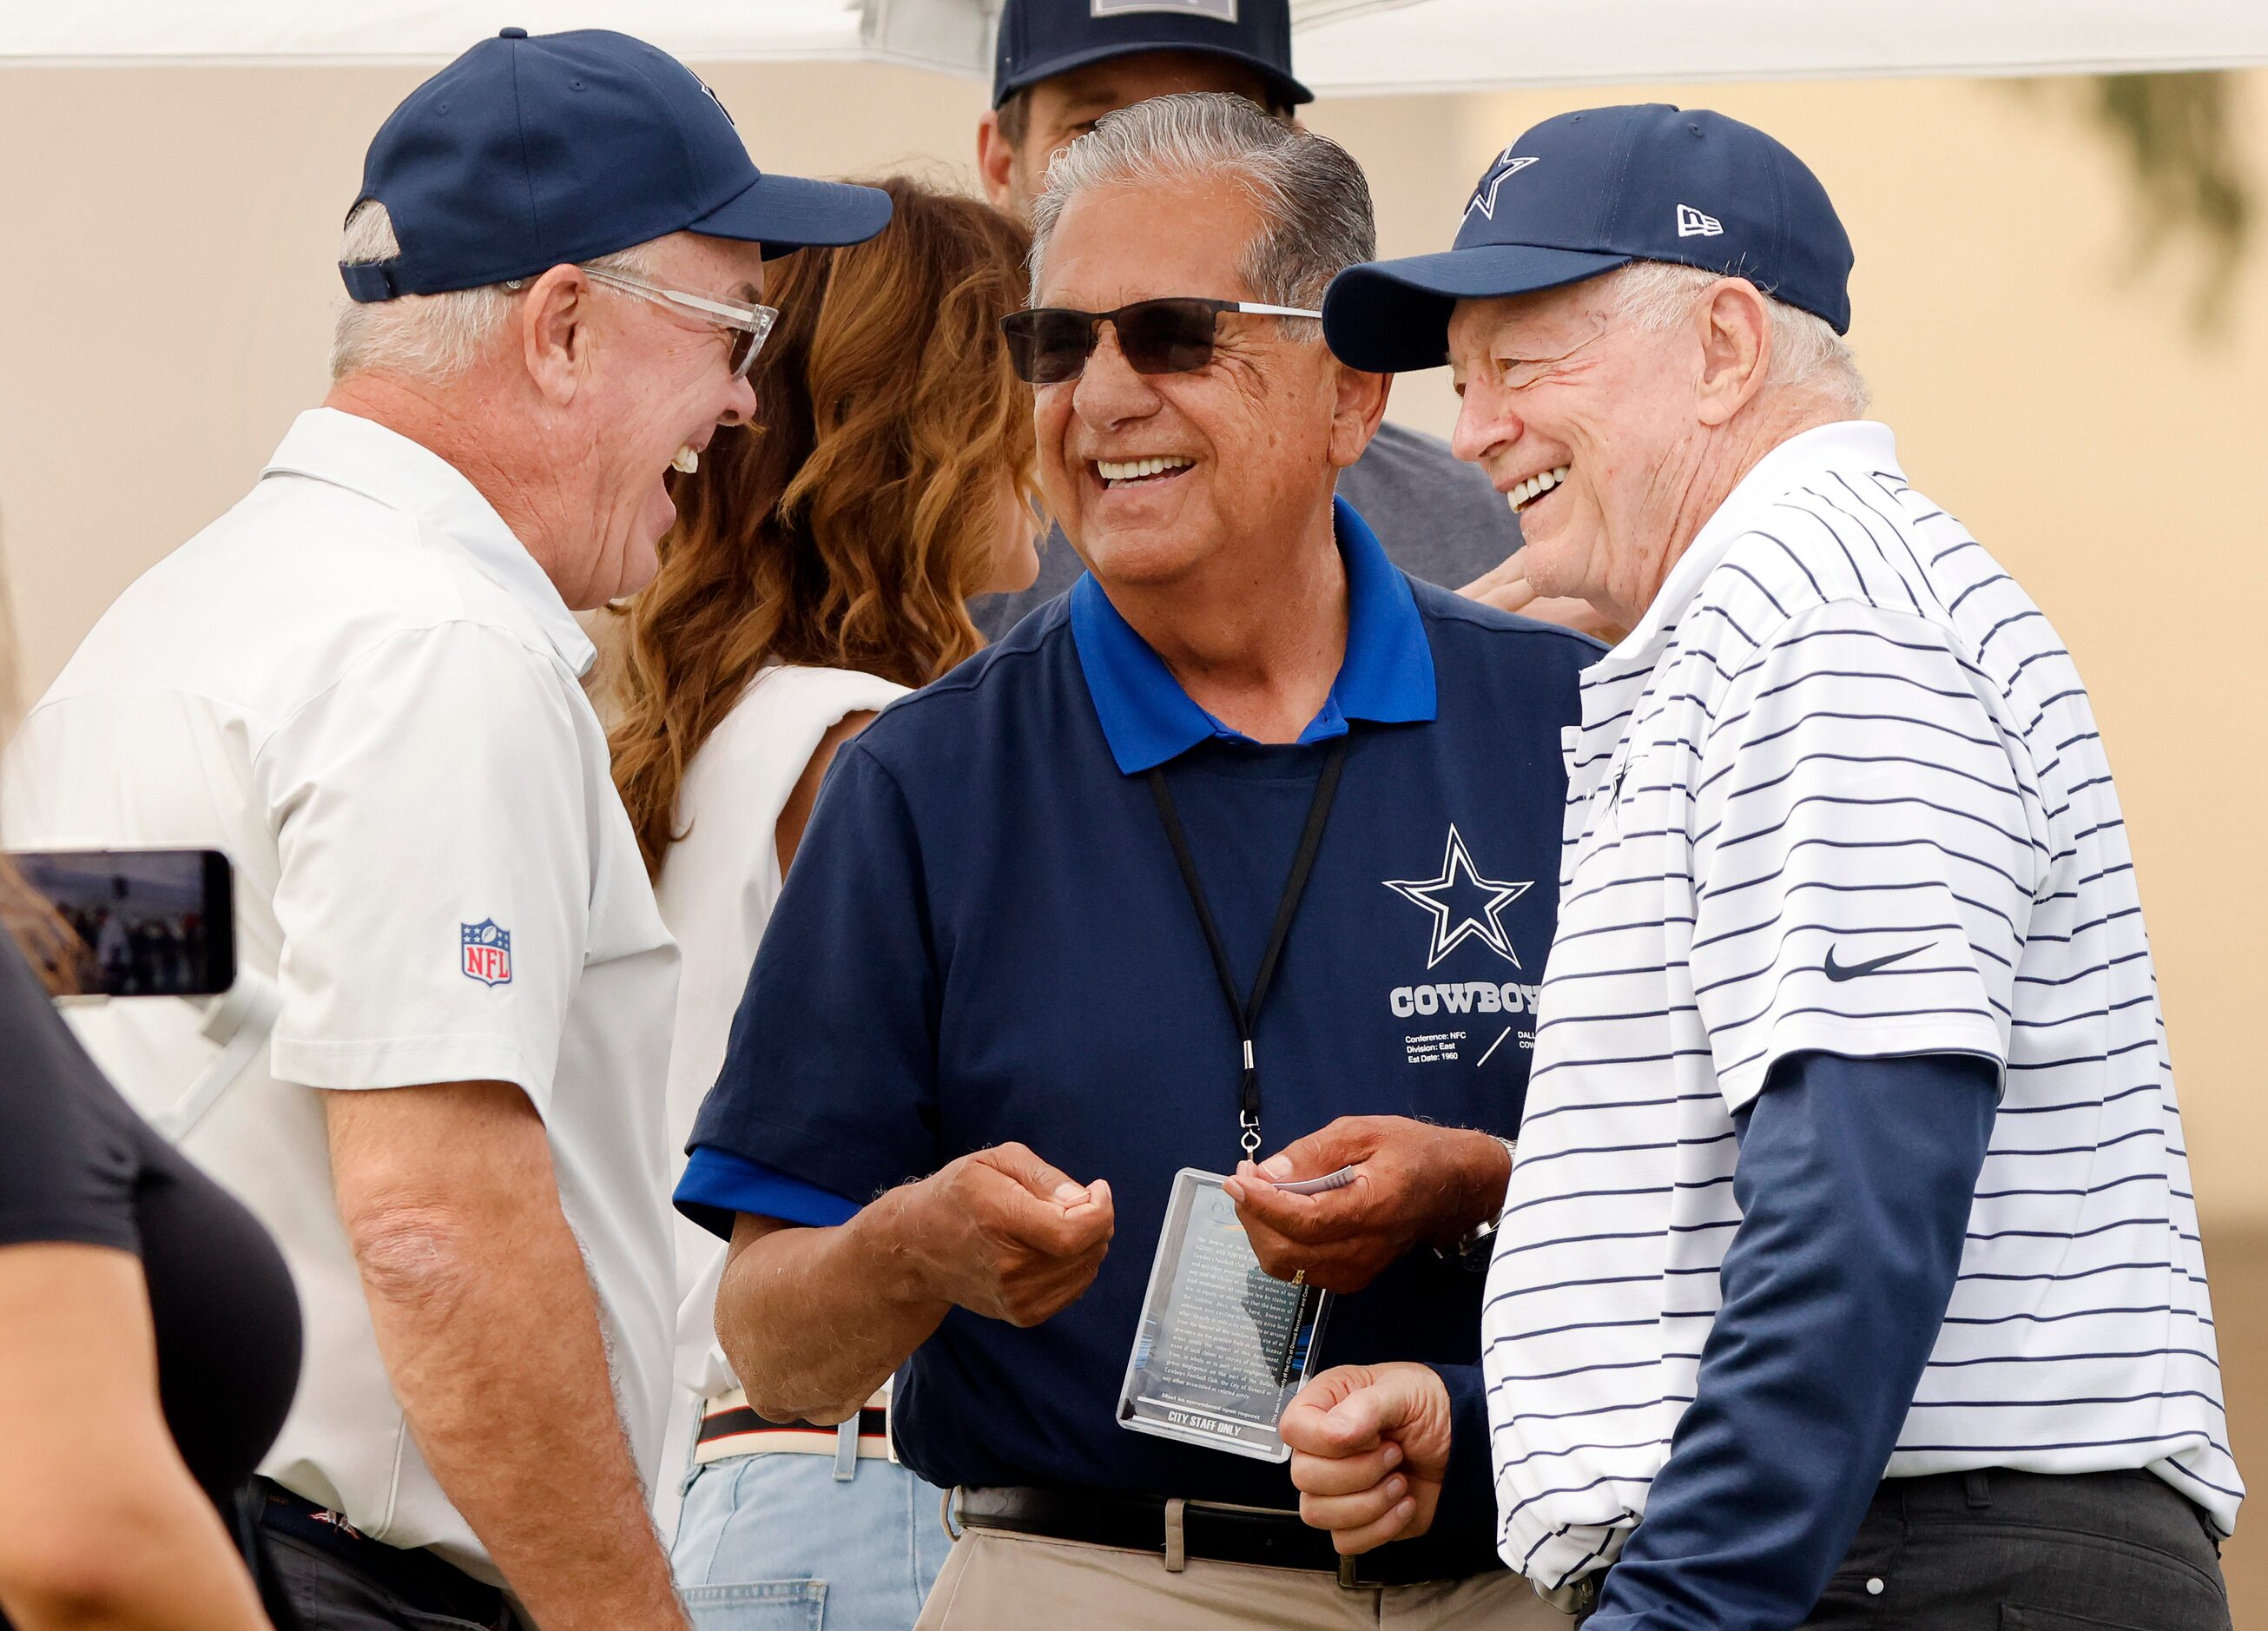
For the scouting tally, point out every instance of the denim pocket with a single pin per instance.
(758, 1605)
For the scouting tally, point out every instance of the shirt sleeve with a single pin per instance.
(718, 1186)
(830, 1075)
(67, 1171)
(1468, 1500)
(1867, 841)
(434, 834)
(1854, 1184)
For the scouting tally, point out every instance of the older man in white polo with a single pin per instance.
(363, 683)
(1849, 1272)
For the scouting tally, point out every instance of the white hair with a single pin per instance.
(1807, 352)
(431, 337)
(1314, 204)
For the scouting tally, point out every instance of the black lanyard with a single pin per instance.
(1245, 1011)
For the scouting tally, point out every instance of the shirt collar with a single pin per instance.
(1386, 677)
(362, 455)
(1862, 443)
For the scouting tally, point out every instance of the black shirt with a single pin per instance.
(76, 1164)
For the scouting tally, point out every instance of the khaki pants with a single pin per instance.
(995, 1581)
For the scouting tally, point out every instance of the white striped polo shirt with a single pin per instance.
(1841, 790)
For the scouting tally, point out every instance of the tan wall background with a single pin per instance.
(166, 288)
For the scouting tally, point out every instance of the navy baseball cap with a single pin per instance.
(1584, 193)
(1039, 39)
(526, 153)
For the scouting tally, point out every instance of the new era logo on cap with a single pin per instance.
(1219, 10)
(1485, 195)
(1692, 223)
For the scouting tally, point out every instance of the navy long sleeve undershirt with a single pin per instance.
(1854, 1183)
(1468, 1500)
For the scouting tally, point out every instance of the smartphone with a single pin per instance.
(150, 922)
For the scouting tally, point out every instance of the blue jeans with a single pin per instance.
(774, 1543)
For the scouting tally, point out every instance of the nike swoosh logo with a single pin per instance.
(1852, 971)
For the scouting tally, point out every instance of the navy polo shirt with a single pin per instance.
(985, 938)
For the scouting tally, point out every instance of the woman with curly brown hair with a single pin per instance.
(821, 566)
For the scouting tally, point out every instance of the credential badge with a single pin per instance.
(487, 952)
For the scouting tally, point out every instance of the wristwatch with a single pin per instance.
(1472, 1250)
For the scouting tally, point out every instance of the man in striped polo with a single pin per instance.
(1849, 1272)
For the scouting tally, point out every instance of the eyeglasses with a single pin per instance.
(750, 324)
(1049, 344)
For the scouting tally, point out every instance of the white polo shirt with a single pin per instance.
(1841, 790)
(716, 892)
(360, 686)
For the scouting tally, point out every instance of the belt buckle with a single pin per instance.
(1575, 1599)
(1351, 1576)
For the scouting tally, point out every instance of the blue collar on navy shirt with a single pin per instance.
(1387, 675)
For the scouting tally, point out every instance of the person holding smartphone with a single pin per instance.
(364, 682)
(149, 1334)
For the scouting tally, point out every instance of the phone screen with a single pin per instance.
(150, 922)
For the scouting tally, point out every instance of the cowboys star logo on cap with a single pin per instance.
(1484, 195)
(710, 91)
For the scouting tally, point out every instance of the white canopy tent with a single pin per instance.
(1344, 47)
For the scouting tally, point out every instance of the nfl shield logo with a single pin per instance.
(487, 952)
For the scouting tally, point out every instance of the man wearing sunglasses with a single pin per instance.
(365, 684)
(1249, 841)
(1060, 65)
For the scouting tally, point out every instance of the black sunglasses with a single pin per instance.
(1049, 344)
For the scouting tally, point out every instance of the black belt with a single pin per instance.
(418, 1578)
(1218, 1534)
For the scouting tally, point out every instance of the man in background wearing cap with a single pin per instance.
(362, 684)
(1900, 1318)
(1062, 64)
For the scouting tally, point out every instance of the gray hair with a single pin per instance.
(1807, 352)
(1314, 204)
(431, 337)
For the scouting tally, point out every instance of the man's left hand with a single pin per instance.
(1413, 1182)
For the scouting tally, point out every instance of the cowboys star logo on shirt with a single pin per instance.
(1464, 904)
(487, 952)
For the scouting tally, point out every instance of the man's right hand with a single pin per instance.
(1003, 1234)
(480, 1301)
(1370, 1447)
